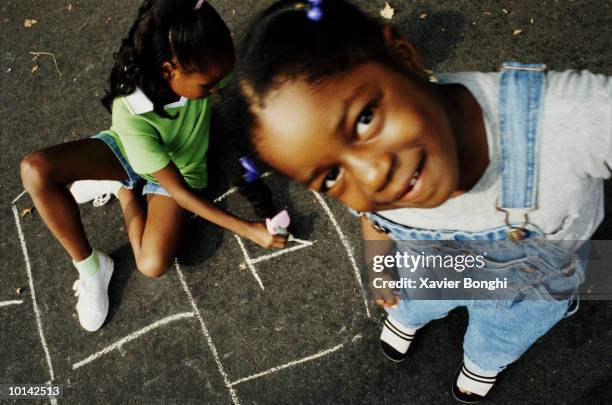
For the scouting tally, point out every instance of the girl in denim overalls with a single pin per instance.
(343, 105)
(501, 330)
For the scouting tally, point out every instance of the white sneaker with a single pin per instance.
(100, 191)
(92, 291)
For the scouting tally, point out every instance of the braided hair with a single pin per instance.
(165, 29)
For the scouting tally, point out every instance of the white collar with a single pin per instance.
(138, 103)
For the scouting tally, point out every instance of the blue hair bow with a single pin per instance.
(315, 12)
(252, 172)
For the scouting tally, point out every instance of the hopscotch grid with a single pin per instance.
(196, 313)
(13, 302)
(211, 346)
(249, 263)
(37, 315)
(135, 335)
(347, 247)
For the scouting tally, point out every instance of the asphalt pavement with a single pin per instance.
(230, 323)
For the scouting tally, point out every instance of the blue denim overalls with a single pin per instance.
(500, 331)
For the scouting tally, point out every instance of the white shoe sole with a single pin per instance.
(82, 192)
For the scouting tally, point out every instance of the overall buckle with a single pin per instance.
(515, 233)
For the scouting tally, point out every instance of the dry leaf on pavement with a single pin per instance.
(387, 12)
(28, 23)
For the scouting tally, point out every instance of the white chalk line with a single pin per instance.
(287, 365)
(301, 245)
(225, 195)
(347, 247)
(301, 241)
(209, 341)
(18, 197)
(53, 400)
(26, 258)
(13, 302)
(294, 363)
(229, 192)
(249, 263)
(132, 336)
(220, 198)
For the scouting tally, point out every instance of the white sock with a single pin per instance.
(475, 382)
(397, 335)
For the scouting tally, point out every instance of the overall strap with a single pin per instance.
(522, 89)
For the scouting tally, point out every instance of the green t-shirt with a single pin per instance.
(150, 142)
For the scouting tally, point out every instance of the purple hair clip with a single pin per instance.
(252, 173)
(315, 12)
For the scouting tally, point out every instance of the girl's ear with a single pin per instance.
(403, 50)
(168, 70)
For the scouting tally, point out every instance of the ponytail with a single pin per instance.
(163, 29)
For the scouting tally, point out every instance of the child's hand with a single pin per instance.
(388, 299)
(384, 297)
(258, 233)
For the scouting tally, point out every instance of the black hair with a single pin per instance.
(259, 195)
(284, 44)
(163, 29)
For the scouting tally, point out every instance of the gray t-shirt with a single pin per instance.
(575, 155)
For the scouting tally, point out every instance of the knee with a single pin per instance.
(152, 266)
(35, 170)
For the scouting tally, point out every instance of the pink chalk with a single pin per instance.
(279, 224)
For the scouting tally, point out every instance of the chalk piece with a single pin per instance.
(279, 224)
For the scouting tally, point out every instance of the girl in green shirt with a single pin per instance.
(176, 54)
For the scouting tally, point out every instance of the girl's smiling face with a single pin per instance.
(374, 138)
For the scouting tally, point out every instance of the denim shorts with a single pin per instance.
(132, 177)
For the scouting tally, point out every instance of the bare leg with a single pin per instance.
(156, 240)
(135, 217)
(45, 175)
(154, 235)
